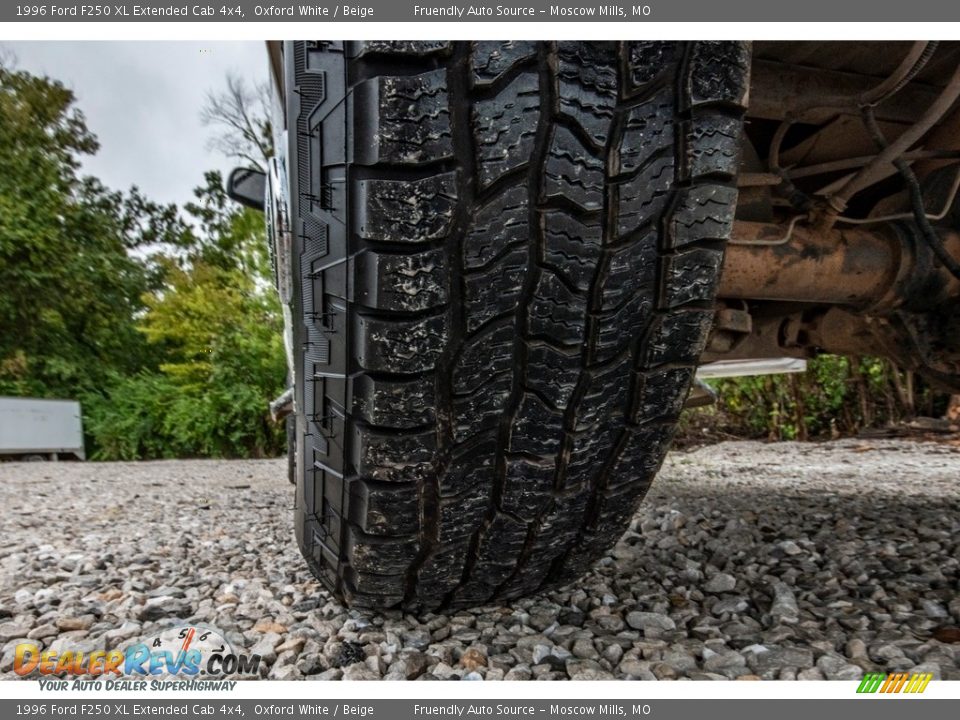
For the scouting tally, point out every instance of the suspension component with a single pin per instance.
(871, 269)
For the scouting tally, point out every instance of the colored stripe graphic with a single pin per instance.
(888, 683)
(870, 683)
(894, 683)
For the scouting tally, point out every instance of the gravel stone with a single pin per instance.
(473, 659)
(444, 671)
(790, 547)
(11, 630)
(650, 623)
(584, 648)
(520, 672)
(43, 631)
(411, 664)
(417, 639)
(747, 560)
(727, 663)
(285, 672)
(587, 670)
(165, 606)
(928, 667)
(933, 609)
(856, 648)
(720, 583)
(793, 657)
(835, 668)
(729, 605)
(83, 622)
(502, 661)
(266, 648)
(359, 671)
(784, 608)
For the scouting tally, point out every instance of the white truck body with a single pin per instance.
(34, 426)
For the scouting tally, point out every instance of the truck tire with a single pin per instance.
(505, 257)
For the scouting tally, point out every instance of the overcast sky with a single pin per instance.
(143, 100)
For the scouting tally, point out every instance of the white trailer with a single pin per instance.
(35, 427)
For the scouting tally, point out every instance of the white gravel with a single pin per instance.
(784, 561)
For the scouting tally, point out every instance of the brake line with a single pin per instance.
(892, 152)
(927, 230)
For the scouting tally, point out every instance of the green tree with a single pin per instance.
(70, 288)
(216, 328)
(167, 330)
(225, 235)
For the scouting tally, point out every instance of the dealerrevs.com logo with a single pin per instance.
(185, 651)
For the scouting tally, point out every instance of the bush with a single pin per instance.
(836, 396)
(128, 420)
(223, 361)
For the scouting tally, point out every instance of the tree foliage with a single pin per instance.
(837, 396)
(227, 236)
(219, 338)
(70, 288)
(213, 324)
(163, 324)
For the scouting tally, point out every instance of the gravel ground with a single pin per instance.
(746, 560)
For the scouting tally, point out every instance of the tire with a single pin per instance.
(505, 258)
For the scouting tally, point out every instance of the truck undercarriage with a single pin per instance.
(845, 238)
